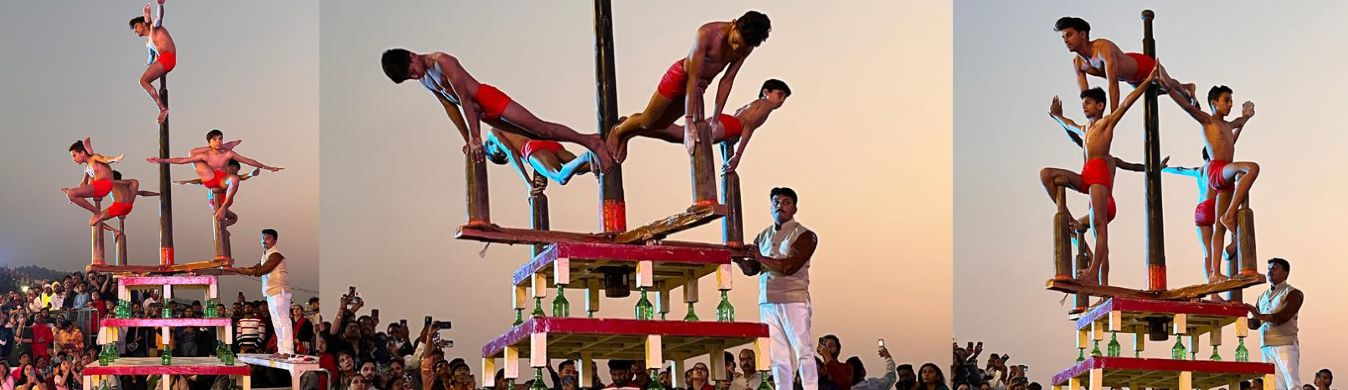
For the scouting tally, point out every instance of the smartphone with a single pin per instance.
(351, 290)
(403, 322)
(428, 321)
(374, 313)
(442, 325)
(882, 343)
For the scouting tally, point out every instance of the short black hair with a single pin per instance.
(313, 299)
(1283, 262)
(617, 364)
(1216, 93)
(1325, 371)
(234, 164)
(1206, 157)
(565, 363)
(729, 357)
(214, 133)
(136, 20)
(1095, 93)
(1072, 22)
(754, 27)
(858, 369)
(395, 62)
(774, 85)
(78, 146)
(270, 232)
(783, 191)
(498, 156)
(116, 175)
(1035, 386)
(831, 337)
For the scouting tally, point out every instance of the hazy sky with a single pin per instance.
(1009, 63)
(864, 140)
(73, 71)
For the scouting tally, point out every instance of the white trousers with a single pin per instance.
(1285, 359)
(789, 329)
(279, 306)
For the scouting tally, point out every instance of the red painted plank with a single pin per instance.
(179, 280)
(181, 366)
(622, 327)
(621, 252)
(1158, 306)
(1169, 365)
(166, 322)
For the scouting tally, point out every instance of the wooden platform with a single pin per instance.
(694, 217)
(658, 230)
(165, 322)
(158, 269)
(1200, 317)
(297, 363)
(1183, 293)
(671, 264)
(157, 281)
(181, 366)
(1161, 373)
(623, 338)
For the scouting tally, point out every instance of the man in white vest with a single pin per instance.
(783, 263)
(1276, 319)
(276, 287)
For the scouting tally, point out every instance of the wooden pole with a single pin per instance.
(1083, 260)
(613, 201)
(703, 170)
(218, 226)
(97, 237)
(1062, 238)
(165, 188)
(479, 203)
(732, 227)
(120, 241)
(1245, 248)
(538, 203)
(1156, 273)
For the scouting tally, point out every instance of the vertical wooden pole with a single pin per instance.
(732, 227)
(1156, 274)
(538, 204)
(1062, 238)
(613, 200)
(479, 204)
(120, 241)
(702, 168)
(165, 190)
(96, 233)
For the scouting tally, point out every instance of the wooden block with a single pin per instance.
(511, 362)
(1097, 379)
(1098, 330)
(1270, 382)
(1215, 336)
(1181, 323)
(247, 381)
(539, 286)
(212, 291)
(229, 335)
(519, 298)
(168, 292)
(1074, 383)
(583, 370)
(1116, 321)
(725, 277)
(1242, 327)
(654, 351)
(561, 271)
(1186, 380)
(645, 273)
(763, 353)
(676, 374)
(1193, 344)
(1083, 338)
(592, 294)
(717, 365)
(489, 372)
(538, 350)
(662, 295)
(1140, 339)
(690, 289)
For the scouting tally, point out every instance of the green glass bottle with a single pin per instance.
(1081, 354)
(1215, 356)
(766, 383)
(166, 355)
(655, 381)
(1242, 354)
(538, 380)
(560, 306)
(168, 313)
(692, 316)
(1114, 349)
(104, 386)
(1178, 352)
(724, 311)
(103, 355)
(229, 357)
(519, 316)
(645, 311)
(538, 307)
(1095, 351)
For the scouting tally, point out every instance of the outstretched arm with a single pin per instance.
(1129, 166)
(88, 146)
(177, 160)
(249, 161)
(1113, 117)
(1112, 78)
(159, 15)
(516, 161)
(1193, 111)
(1081, 74)
(739, 149)
(1055, 112)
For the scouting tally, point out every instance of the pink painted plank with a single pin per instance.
(627, 327)
(166, 322)
(1158, 306)
(621, 253)
(1167, 365)
(203, 280)
(181, 366)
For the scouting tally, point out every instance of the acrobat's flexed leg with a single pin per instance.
(231, 182)
(153, 72)
(77, 196)
(1055, 178)
(1244, 173)
(520, 117)
(660, 113)
(550, 164)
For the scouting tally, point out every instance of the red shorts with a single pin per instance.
(1216, 180)
(216, 181)
(1205, 214)
(1096, 171)
(674, 84)
(733, 126)
(119, 209)
(168, 59)
(492, 101)
(537, 145)
(1145, 64)
(101, 187)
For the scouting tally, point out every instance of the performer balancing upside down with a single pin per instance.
(211, 167)
(1102, 58)
(740, 127)
(276, 287)
(548, 158)
(1224, 176)
(1097, 175)
(163, 54)
(717, 47)
(469, 103)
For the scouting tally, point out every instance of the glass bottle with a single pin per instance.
(645, 311)
(724, 311)
(692, 316)
(560, 306)
(1114, 348)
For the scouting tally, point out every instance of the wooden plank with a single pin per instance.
(695, 216)
(177, 280)
(165, 322)
(624, 338)
(513, 236)
(149, 269)
(296, 363)
(1201, 290)
(1119, 371)
(152, 366)
(1202, 314)
(1072, 286)
(582, 257)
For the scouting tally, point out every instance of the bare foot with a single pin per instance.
(95, 219)
(1217, 277)
(1229, 219)
(163, 114)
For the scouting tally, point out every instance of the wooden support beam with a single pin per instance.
(697, 215)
